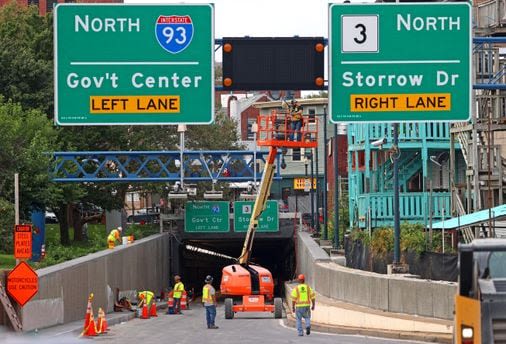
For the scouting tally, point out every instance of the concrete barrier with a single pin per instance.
(64, 288)
(392, 293)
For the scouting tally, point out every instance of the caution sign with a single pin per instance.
(23, 241)
(22, 283)
(400, 102)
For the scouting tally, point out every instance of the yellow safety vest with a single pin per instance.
(206, 295)
(148, 296)
(178, 290)
(113, 235)
(302, 295)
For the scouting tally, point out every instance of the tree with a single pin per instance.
(26, 57)
(27, 136)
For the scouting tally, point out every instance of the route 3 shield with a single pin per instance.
(174, 33)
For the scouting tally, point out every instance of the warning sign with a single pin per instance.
(22, 283)
(23, 241)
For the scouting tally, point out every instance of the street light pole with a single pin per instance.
(254, 130)
(318, 195)
(312, 191)
(181, 128)
(325, 179)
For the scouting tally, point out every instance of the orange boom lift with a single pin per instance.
(252, 282)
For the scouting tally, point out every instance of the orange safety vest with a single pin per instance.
(302, 295)
(206, 294)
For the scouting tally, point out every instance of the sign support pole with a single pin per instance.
(16, 202)
(397, 230)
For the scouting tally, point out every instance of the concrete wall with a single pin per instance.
(64, 288)
(390, 293)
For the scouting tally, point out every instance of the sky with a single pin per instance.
(266, 18)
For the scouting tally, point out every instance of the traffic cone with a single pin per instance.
(184, 301)
(145, 314)
(170, 303)
(88, 317)
(102, 326)
(91, 330)
(152, 309)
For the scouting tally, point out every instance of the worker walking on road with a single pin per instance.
(114, 235)
(303, 302)
(178, 294)
(209, 301)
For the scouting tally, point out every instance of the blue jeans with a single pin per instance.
(210, 315)
(303, 312)
(177, 305)
(295, 126)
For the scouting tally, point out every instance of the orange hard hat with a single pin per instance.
(301, 277)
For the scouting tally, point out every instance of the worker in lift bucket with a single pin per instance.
(114, 235)
(177, 294)
(209, 301)
(303, 302)
(295, 120)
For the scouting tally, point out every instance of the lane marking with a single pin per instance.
(390, 340)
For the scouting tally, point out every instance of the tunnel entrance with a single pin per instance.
(198, 260)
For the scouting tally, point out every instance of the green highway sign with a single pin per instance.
(118, 64)
(400, 62)
(211, 217)
(268, 222)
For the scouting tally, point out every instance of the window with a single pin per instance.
(311, 114)
(50, 4)
(251, 135)
(296, 154)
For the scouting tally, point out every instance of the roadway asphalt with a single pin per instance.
(254, 328)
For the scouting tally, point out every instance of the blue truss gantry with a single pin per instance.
(158, 166)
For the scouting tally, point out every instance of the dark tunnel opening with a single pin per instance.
(276, 255)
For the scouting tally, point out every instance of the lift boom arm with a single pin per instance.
(259, 207)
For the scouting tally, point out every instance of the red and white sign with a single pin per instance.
(23, 241)
(22, 283)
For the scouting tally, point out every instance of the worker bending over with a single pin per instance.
(144, 297)
(114, 235)
(303, 302)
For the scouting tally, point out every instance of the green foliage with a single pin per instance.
(6, 226)
(344, 219)
(142, 231)
(57, 253)
(26, 57)
(381, 242)
(7, 261)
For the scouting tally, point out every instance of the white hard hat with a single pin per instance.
(120, 228)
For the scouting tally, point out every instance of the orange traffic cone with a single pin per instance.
(152, 309)
(101, 322)
(145, 314)
(184, 301)
(170, 303)
(89, 328)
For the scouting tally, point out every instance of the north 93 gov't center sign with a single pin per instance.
(134, 64)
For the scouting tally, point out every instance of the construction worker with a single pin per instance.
(114, 236)
(178, 294)
(296, 120)
(145, 297)
(209, 301)
(303, 297)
